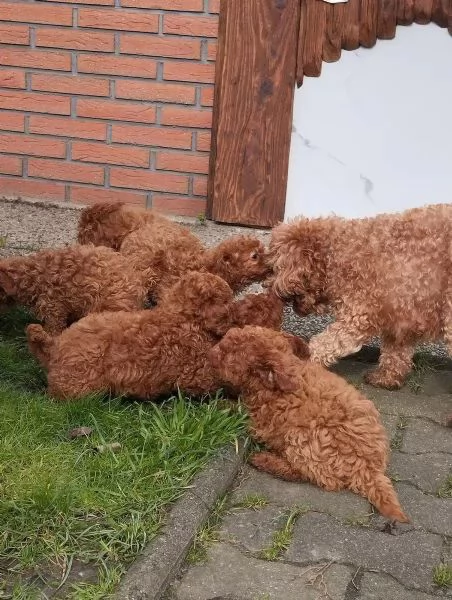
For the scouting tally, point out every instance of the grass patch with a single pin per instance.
(282, 538)
(396, 442)
(63, 503)
(207, 534)
(442, 575)
(445, 489)
(253, 502)
(423, 365)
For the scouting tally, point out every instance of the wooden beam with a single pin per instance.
(255, 83)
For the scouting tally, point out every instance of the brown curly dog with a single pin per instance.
(170, 250)
(61, 286)
(146, 353)
(317, 427)
(387, 276)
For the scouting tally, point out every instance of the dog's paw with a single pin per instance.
(378, 378)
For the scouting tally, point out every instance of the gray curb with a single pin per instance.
(150, 575)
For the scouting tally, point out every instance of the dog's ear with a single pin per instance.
(274, 375)
(7, 282)
(299, 346)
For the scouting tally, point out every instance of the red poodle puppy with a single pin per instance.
(61, 286)
(387, 276)
(317, 427)
(152, 242)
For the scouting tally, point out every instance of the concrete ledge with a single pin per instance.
(150, 575)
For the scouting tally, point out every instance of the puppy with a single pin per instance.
(317, 427)
(64, 285)
(146, 353)
(387, 276)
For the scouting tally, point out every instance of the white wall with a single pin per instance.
(374, 132)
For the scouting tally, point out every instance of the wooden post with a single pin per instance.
(255, 83)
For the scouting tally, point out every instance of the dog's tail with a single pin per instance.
(40, 343)
(378, 489)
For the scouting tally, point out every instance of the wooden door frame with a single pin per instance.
(252, 114)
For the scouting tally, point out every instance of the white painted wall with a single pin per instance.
(374, 132)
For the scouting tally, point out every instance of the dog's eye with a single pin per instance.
(254, 256)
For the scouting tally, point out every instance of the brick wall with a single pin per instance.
(107, 99)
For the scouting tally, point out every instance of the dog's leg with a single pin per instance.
(275, 465)
(338, 340)
(394, 365)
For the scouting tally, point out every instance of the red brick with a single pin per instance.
(37, 59)
(67, 127)
(11, 121)
(178, 205)
(90, 195)
(14, 34)
(127, 20)
(188, 25)
(181, 161)
(97, 2)
(214, 6)
(212, 48)
(29, 101)
(200, 186)
(116, 111)
(35, 13)
(141, 179)
(204, 141)
(207, 96)
(114, 155)
(31, 188)
(160, 46)
(70, 84)
(185, 5)
(10, 165)
(117, 65)
(65, 171)
(155, 92)
(186, 117)
(189, 71)
(73, 39)
(33, 146)
(10, 78)
(152, 136)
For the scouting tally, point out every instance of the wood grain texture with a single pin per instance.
(368, 23)
(335, 21)
(313, 38)
(440, 12)
(256, 76)
(301, 40)
(387, 20)
(423, 11)
(350, 34)
(405, 12)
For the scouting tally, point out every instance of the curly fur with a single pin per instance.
(146, 353)
(316, 426)
(63, 285)
(387, 276)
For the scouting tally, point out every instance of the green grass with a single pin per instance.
(282, 538)
(396, 442)
(208, 533)
(445, 489)
(61, 502)
(442, 575)
(252, 501)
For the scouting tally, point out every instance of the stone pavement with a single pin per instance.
(284, 541)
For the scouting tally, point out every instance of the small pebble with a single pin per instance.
(114, 447)
(79, 432)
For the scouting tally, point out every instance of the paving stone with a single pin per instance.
(381, 587)
(230, 574)
(344, 505)
(425, 511)
(424, 436)
(427, 471)
(409, 558)
(390, 423)
(437, 382)
(406, 404)
(253, 529)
